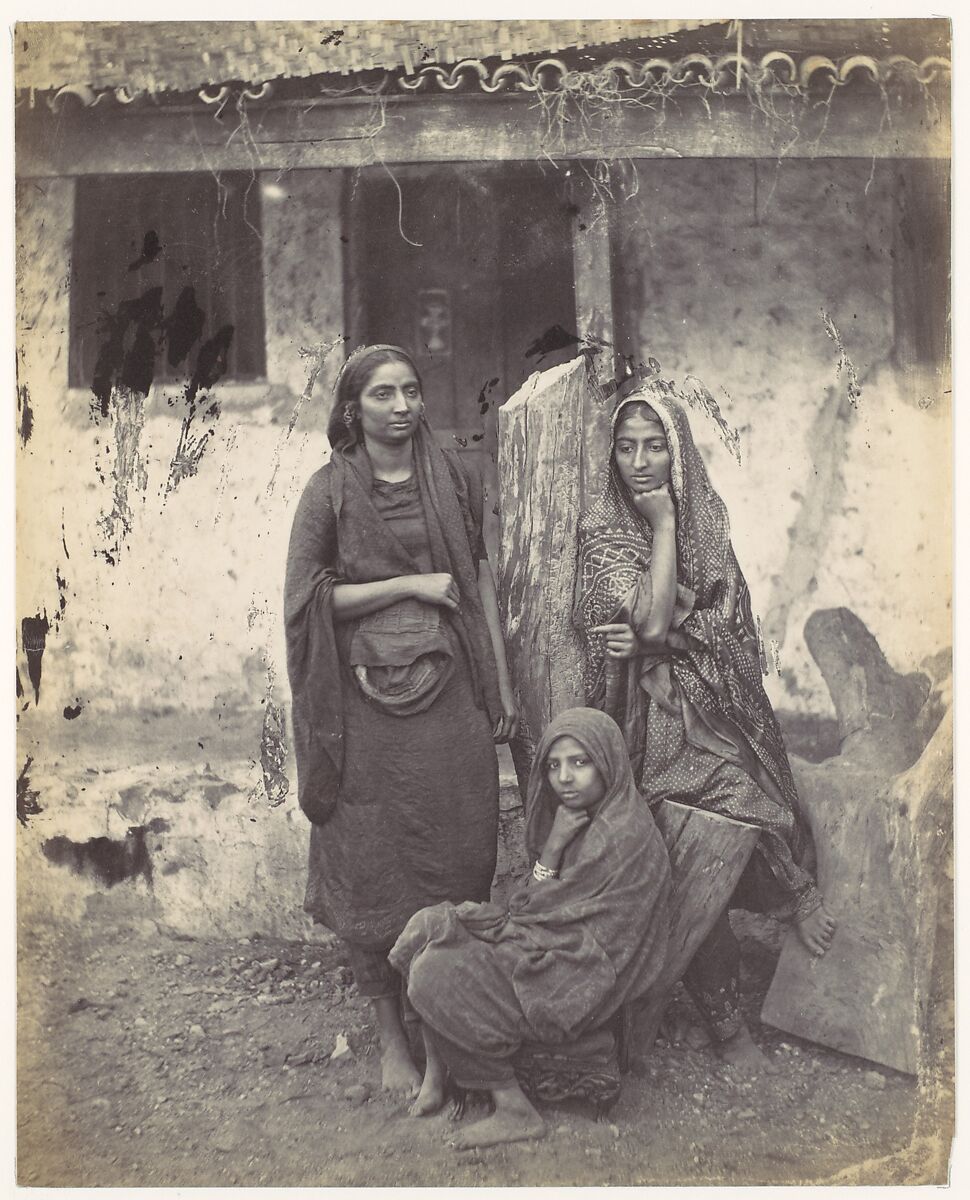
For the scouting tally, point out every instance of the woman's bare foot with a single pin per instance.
(431, 1097)
(740, 1051)
(514, 1120)
(816, 930)
(398, 1072)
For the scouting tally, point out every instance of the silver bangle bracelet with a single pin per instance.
(541, 873)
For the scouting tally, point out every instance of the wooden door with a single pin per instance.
(468, 266)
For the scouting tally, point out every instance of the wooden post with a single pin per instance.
(707, 853)
(593, 278)
(540, 443)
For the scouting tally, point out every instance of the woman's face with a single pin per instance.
(390, 403)
(574, 780)
(641, 454)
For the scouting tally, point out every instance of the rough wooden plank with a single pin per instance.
(707, 853)
(882, 845)
(540, 440)
(475, 128)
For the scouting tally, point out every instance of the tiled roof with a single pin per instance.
(701, 69)
(183, 56)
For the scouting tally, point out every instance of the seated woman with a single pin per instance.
(672, 655)
(586, 932)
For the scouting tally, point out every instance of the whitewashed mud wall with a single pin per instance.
(730, 271)
(188, 614)
(157, 753)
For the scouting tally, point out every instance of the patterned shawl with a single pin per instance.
(577, 947)
(338, 536)
(712, 650)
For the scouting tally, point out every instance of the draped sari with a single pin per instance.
(697, 722)
(568, 952)
(404, 807)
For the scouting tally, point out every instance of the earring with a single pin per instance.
(348, 416)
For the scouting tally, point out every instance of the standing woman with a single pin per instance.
(398, 676)
(672, 656)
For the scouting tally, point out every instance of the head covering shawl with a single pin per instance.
(577, 947)
(338, 536)
(712, 649)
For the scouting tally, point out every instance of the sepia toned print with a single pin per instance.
(744, 225)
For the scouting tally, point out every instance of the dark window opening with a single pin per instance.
(137, 233)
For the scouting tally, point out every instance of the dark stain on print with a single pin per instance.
(209, 367)
(126, 358)
(150, 249)
(20, 685)
(211, 363)
(33, 632)
(28, 801)
(26, 414)
(555, 338)
(108, 860)
(484, 404)
(73, 711)
(61, 593)
(183, 328)
(333, 38)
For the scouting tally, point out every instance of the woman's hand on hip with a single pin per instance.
(439, 588)
(507, 726)
(621, 641)
(656, 507)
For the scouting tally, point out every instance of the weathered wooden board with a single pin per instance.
(352, 132)
(707, 853)
(882, 867)
(880, 815)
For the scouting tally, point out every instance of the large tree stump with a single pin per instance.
(883, 842)
(546, 477)
(707, 854)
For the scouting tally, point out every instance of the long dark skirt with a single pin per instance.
(416, 820)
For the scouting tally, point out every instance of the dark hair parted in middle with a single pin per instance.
(343, 426)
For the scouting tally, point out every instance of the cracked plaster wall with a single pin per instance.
(724, 267)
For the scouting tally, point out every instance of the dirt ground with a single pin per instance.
(146, 1060)
(151, 1060)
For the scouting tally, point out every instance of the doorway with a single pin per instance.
(470, 267)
